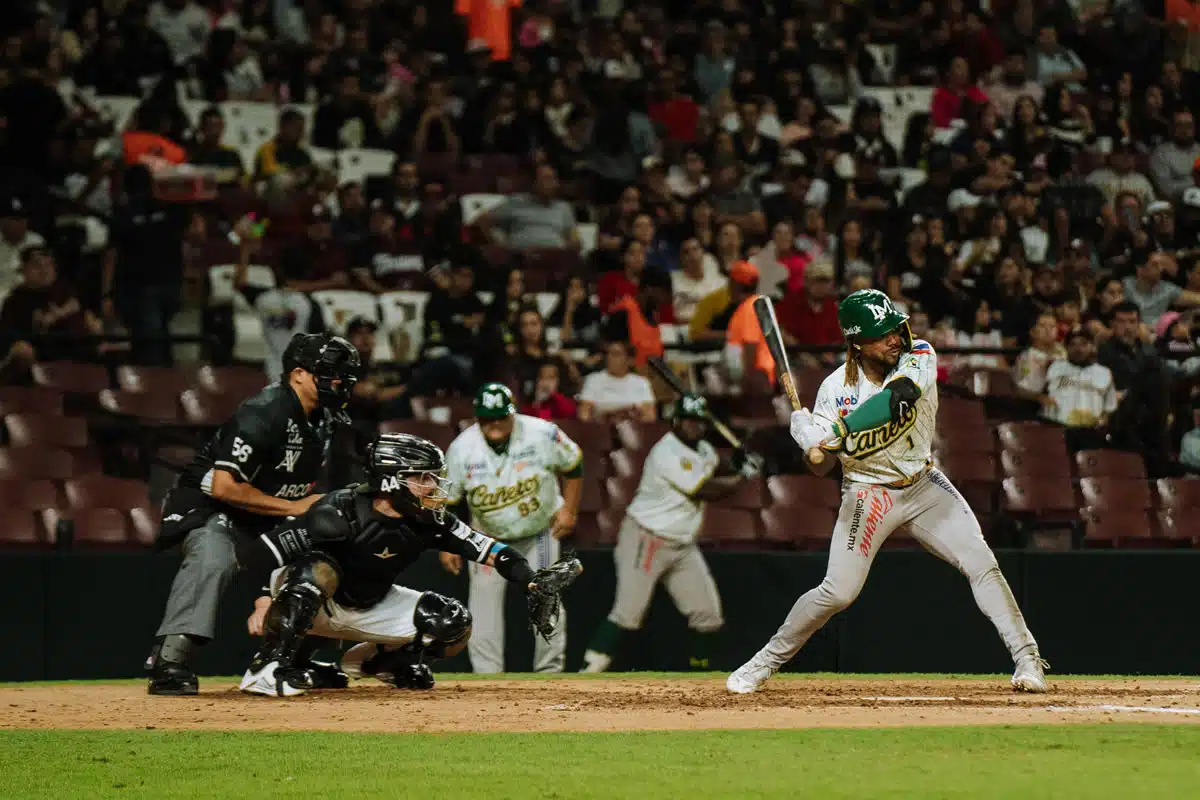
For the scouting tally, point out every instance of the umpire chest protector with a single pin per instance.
(268, 443)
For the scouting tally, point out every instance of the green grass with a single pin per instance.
(1075, 761)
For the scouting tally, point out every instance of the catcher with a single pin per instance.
(333, 571)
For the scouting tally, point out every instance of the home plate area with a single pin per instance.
(616, 703)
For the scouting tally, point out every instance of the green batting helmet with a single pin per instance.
(869, 314)
(691, 406)
(494, 401)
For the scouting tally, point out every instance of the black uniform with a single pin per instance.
(270, 444)
(370, 549)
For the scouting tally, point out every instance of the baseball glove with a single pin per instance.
(545, 608)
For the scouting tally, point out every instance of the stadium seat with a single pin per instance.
(749, 496)
(239, 382)
(441, 435)
(1051, 461)
(803, 492)
(1124, 527)
(91, 527)
(22, 528)
(1110, 464)
(205, 408)
(30, 400)
(358, 164)
(475, 206)
(784, 528)
(1181, 528)
(37, 430)
(147, 408)
(961, 466)
(1046, 497)
(35, 463)
(339, 306)
(148, 380)
(549, 268)
(1113, 494)
(729, 528)
(453, 409)
(626, 463)
(1023, 437)
(639, 437)
(1180, 495)
(961, 412)
(588, 435)
(31, 495)
(71, 376)
(609, 523)
(103, 491)
(955, 437)
(403, 312)
(595, 497)
(620, 490)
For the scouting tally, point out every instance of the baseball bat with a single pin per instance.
(669, 375)
(764, 309)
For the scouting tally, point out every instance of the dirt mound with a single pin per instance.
(615, 704)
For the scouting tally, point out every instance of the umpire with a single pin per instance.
(263, 464)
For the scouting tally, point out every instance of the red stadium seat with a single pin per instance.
(1183, 529)
(1051, 462)
(146, 408)
(1046, 497)
(784, 527)
(71, 376)
(1110, 464)
(639, 437)
(961, 412)
(52, 430)
(749, 496)
(961, 466)
(30, 400)
(460, 408)
(954, 437)
(626, 463)
(240, 382)
(22, 528)
(1113, 494)
(102, 491)
(595, 436)
(595, 496)
(803, 492)
(42, 463)
(92, 527)
(203, 407)
(729, 527)
(1123, 527)
(441, 435)
(609, 524)
(152, 380)
(1025, 437)
(620, 490)
(31, 495)
(1181, 496)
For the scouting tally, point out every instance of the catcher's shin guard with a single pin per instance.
(294, 609)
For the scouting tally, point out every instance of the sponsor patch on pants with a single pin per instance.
(870, 508)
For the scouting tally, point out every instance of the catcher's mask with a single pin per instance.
(334, 364)
(411, 471)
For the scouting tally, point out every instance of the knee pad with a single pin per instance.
(440, 622)
(316, 569)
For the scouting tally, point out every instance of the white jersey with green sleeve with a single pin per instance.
(512, 495)
(899, 450)
(664, 503)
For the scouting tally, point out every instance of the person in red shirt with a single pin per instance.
(810, 316)
(676, 113)
(548, 402)
(948, 98)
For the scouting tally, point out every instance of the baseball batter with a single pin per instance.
(657, 540)
(507, 466)
(877, 412)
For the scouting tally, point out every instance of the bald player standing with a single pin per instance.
(657, 540)
(507, 466)
(884, 444)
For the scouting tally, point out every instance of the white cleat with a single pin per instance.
(1030, 675)
(267, 683)
(749, 677)
(594, 661)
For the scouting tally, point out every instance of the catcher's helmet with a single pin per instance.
(869, 314)
(494, 401)
(333, 362)
(393, 458)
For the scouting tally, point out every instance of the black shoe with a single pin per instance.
(172, 680)
(412, 676)
(325, 675)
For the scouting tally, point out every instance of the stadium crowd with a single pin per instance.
(1021, 176)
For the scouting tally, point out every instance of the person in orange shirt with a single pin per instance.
(490, 21)
(746, 350)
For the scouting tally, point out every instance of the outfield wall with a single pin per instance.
(93, 615)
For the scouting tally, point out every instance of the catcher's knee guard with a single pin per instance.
(441, 623)
(307, 583)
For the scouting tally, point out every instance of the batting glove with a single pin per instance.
(807, 431)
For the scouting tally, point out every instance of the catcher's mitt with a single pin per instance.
(545, 610)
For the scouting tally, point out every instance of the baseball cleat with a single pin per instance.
(169, 679)
(594, 661)
(273, 680)
(749, 677)
(1029, 675)
(325, 675)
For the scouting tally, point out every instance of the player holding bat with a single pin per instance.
(877, 413)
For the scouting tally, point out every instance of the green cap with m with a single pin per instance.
(494, 401)
(691, 406)
(869, 314)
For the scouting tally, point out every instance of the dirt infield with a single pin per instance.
(615, 704)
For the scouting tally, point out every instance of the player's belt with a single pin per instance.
(909, 481)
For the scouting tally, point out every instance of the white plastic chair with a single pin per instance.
(589, 233)
(356, 165)
(118, 107)
(546, 303)
(220, 282)
(476, 205)
(404, 311)
(339, 306)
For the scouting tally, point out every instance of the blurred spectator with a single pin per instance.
(949, 97)
(1054, 63)
(1033, 365)
(1177, 347)
(852, 260)
(315, 262)
(547, 400)
(810, 316)
(659, 254)
(689, 179)
(977, 331)
(502, 320)
(616, 392)
(353, 222)
(42, 304)
(1140, 380)
(1081, 393)
(746, 354)
(15, 238)
(713, 65)
(453, 335)
(733, 203)
(1013, 83)
(207, 151)
(1110, 293)
(143, 269)
(33, 114)
(574, 315)
(1172, 163)
(1189, 447)
(712, 314)
(347, 119)
(1120, 176)
(536, 220)
(618, 284)
(183, 25)
(528, 350)
(285, 153)
(380, 391)
(692, 282)
(384, 260)
(1153, 295)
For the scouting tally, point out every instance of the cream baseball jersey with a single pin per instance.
(1082, 395)
(673, 472)
(900, 449)
(512, 495)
